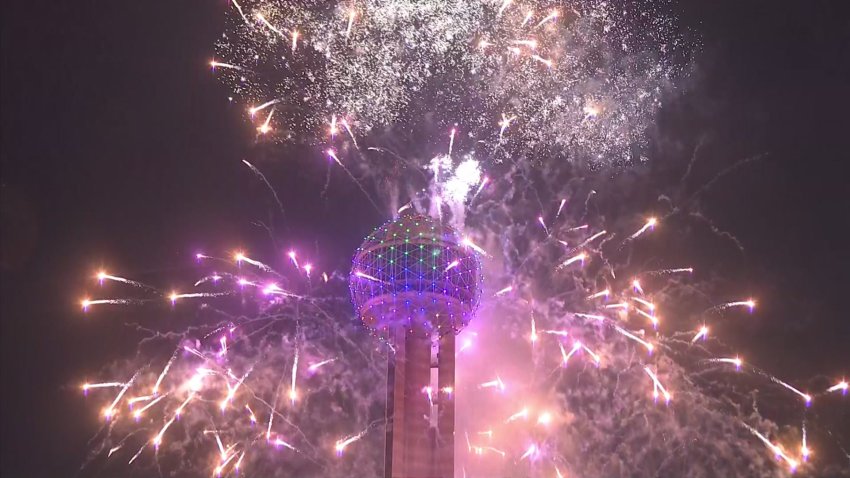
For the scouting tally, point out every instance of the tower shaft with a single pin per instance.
(420, 436)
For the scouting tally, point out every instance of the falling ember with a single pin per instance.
(652, 318)
(294, 40)
(251, 415)
(468, 243)
(138, 413)
(341, 444)
(649, 346)
(333, 128)
(516, 416)
(497, 383)
(366, 276)
(649, 305)
(351, 15)
(292, 258)
(603, 293)
(619, 305)
(806, 397)
(577, 258)
(540, 220)
(256, 109)
(702, 334)
(596, 357)
(657, 383)
(804, 448)
(749, 303)
(842, 385)
(636, 286)
(736, 361)
(553, 15)
(565, 357)
(278, 442)
(530, 453)
(777, 451)
(504, 123)
(271, 27)
(561, 207)
(292, 393)
(504, 291)
(265, 128)
(88, 386)
(505, 4)
(452, 140)
(540, 59)
(217, 64)
(533, 331)
(650, 224)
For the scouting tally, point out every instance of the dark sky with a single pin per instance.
(119, 148)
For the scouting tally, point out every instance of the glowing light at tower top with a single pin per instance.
(415, 270)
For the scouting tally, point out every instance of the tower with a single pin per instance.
(415, 284)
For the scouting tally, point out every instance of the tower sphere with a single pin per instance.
(415, 272)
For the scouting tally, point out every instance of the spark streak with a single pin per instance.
(657, 384)
(577, 258)
(806, 397)
(650, 224)
(649, 346)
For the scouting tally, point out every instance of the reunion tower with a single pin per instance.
(416, 285)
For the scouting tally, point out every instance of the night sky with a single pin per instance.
(120, 149)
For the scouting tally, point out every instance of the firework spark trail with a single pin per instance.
(602, 293)
(103, 276)
(522, 414)
(736, 361)
(577, 258)
(650, 224)
(292, 393)
(241, 13)
(560, 207)
(110, 410)
(701, 334)
(217, 64)
(157, 440)
(86, 303)
(649, 305)
(138, 413)
(268, 185)
(774, 448)
(239, 257)
(806, 397)
(173, 297)
(266, 126)
(88, 386)
(565, 356)
(316, 366)
(842, 385)
(268, 24)
(657, 384)
(256, 109)
(345, 125)
(649, 346)
(331, 154)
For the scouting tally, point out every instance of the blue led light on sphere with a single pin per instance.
(415, 271)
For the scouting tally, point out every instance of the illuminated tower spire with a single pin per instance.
(415, 284)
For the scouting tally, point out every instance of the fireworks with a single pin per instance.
(287, 388)
(374, 61)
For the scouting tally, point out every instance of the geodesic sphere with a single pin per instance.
(415, 272)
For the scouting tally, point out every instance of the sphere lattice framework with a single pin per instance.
(416, 273)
